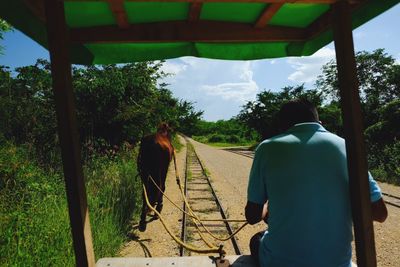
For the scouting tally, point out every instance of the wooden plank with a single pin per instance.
(352, 120)
(58, 43)
(267, 15)
(182, 31)
(194, 261)
(194, 11)
(234, 1)
(118, 10)
(37, 8)
(320, 25)
(324, 22)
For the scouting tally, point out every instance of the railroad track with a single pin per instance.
(205, 204)
(245, 153)
(389, 198)
(392, 200)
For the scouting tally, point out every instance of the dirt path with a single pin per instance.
(229, 175)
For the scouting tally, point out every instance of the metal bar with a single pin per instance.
(58, 42)
(352, 120)
(390, 195)
(183, 234)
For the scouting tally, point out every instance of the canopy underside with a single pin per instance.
(117, 31)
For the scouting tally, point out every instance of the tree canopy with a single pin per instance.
(379, 85)
(115, 104)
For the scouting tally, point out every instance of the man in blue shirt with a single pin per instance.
(299, 181)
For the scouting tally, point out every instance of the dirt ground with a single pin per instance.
(229, 175)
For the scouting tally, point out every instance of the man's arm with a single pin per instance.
(379, 210)
(255, 212)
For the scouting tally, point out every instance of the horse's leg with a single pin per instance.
(143, 223)
(163, 177)
(145, 209)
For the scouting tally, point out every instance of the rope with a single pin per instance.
(204, 227)
(187, 213)
(212, 249)
(178, 180)
(195, 219)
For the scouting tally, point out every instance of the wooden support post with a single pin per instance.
(58, 44)
(352, 119)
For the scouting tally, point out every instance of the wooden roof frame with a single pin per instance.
(60, 37)
(194, 29)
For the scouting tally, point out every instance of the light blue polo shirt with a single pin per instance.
(303, 174)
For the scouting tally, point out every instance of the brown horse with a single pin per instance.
(155, 154)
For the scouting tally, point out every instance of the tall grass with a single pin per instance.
(34, 222)
(114, 197)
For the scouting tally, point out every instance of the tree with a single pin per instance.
(115, 104)
(261, 114)
(379, 82)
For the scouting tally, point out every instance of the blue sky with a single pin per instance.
(220, 88)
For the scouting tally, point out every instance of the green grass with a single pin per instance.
(34, 221)
(224, 144)
(176, 143)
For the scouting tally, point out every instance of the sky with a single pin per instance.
(219, 87)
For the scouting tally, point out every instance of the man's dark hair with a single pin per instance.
(297, 111)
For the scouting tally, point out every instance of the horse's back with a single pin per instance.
(155, 152)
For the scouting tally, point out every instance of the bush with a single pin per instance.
(114, 199)
(34, 223)
(216, 138)
(234, 139)
(201, 139)
(386, 167)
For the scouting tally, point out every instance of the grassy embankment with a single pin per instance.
(34, 221)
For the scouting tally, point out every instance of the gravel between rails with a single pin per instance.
(229, 175)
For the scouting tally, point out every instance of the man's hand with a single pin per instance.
(379, 211)
(255, 212)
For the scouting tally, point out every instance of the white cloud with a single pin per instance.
(219, 87)
(241, 91)
(238, 92)
(308, 68)
(173, 68)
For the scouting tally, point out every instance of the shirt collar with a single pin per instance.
(307, 127)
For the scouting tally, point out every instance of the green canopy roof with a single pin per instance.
(117, 31)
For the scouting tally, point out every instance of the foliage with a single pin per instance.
(4, 27)
(379, 82)
(33, 221)
(261, 114)
(387, 168)
(115, 104)
(188, 118)
(114, 199)
(224, 131)
(34, 224)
